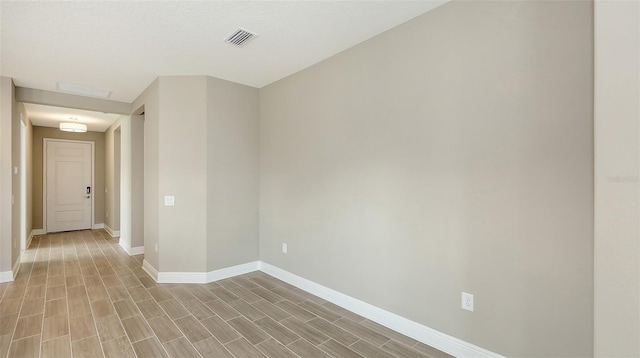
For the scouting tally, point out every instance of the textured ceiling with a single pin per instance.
(123, 46)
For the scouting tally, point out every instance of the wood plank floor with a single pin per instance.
(78, 294)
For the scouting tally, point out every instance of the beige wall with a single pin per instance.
(16, 184)
(175, 165)
(183, 173)
(148, 102)
(200, 146)
(232, 174)
(58, 99)
(112, 175)
(136, 185)
(29, 173)
(109, 177)
(20, 111)
(617, 169)
(7, 100)
(452, 153)
(128, 179)
(39, 133)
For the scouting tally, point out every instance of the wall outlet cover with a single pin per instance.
(467, 301)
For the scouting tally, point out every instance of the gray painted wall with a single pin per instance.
(617, 162)
(183, 173)
(112, 176)
(232, 174)
(136, 196)
(7, 101)
(452, 153)
(16, 184)
(206, 132)
(148, 101)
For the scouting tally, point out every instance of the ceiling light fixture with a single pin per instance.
(73, 126)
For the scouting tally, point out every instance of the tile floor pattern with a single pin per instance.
(79, 294)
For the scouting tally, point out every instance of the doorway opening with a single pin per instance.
(68, 185)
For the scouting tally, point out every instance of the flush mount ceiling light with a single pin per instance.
(83, 90)
(73, 126)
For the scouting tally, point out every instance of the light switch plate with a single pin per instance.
(169, 200)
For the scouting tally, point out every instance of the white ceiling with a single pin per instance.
(124, 45)
(48, 116)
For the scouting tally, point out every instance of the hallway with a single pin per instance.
(78, 294)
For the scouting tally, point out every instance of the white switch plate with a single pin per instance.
(467, 301)
(284, 248)
(169, 200)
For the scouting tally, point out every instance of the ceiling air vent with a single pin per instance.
(240, 37)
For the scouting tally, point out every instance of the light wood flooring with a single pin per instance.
(79, 294)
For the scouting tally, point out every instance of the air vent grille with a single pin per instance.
(240, 37)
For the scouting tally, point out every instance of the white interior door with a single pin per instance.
(68, 185)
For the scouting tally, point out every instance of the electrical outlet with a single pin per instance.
(169, 200)
(467, 301)
(284, 248)
(156, 247)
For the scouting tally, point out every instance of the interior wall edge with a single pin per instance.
(50, 98)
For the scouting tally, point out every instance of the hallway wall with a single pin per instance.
(7, 102)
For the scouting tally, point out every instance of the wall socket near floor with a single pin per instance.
(467, 301)
(284, 248)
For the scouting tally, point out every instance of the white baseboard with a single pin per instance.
(110, 231)
(16, 267)
(125, 246)
(98, 226)
(33, 233)
(138, 250)
(131, 251)
(150, 270)
(206, 277)
(233, 271)
(422, 333)
(6, 276)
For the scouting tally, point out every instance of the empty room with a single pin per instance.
(320, 179)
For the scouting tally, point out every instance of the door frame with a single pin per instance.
(44, 177)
